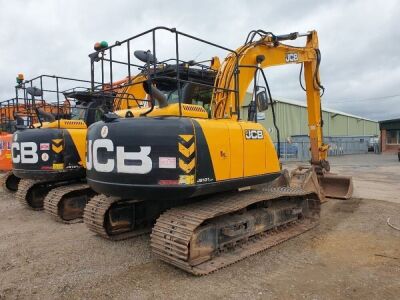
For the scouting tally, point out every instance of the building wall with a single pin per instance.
(388, 148)
(292, 120)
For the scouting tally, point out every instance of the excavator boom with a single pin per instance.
(269, 52)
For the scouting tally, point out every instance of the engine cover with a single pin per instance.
(46, 154)
(155, 158)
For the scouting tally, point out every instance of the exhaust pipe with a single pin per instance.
(156, 94)
(47, 116)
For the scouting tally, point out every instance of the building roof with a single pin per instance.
(390, 121)
(390, 124)
(303, 104)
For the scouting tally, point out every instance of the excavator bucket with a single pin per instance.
(326, 185)
(335, 186)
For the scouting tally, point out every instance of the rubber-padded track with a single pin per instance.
(173, 230)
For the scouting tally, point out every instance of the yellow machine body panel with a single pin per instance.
(63, 124)
(78, 136)
(239, 149)
(217, 136)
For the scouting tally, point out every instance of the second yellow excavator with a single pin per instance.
(48, 152)
(22, 110)
(177, 155)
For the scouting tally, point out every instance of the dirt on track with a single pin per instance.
(352, 253)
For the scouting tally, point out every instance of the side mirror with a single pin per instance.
(34, 91)
(145, 56)
(262, 101)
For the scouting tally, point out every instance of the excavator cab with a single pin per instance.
(90, 107)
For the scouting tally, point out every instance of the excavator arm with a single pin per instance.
(269, 52)
(236, 74)
(128, 92)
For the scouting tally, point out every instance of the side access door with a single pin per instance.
(254, 150)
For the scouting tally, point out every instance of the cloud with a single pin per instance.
(358, 40)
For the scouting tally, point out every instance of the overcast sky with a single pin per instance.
(359, 41)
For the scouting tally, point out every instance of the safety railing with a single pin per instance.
(48, 94)
(8, 109)
(105, 62)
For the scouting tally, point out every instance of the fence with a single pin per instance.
(299, 150)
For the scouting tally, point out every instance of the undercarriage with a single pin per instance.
(203, 237)
(9, 182)
(65, 200)
(118, 219)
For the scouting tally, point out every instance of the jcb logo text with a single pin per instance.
(124, 162)
(253, 134)
(25, 153)
(292, 57)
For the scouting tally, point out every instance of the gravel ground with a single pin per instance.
(353, 253)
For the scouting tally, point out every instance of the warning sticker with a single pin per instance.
(167, 162)
(58, 166)
(45, 157)
(186, 179)
(44, 146)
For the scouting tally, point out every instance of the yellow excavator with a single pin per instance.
(179, 158)
(48, 154)
(22, 110)
(111, 217)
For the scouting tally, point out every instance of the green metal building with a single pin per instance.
(291, 117)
